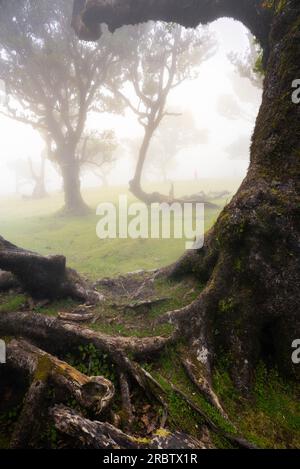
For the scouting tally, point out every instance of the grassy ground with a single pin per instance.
(34, 224)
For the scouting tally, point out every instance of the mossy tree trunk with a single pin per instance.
(250, 307)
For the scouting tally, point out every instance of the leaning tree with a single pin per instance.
(250, 260)
(53, 82)
(157, 60)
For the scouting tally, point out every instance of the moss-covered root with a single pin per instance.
(89, 434)
(46, 374)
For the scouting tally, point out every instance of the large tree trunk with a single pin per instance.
(70, 170)
(250, 307)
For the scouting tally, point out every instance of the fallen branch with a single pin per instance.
(74, 317)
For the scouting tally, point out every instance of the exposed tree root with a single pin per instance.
(29, 424)
(88, 434)
(203, 384)
(126, 400)
(44, 372)
(8, 281)
(43, 277)
(93, 393)
(59, 337)
(196, 262)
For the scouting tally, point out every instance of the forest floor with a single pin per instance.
(268, 418)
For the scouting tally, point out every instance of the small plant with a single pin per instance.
(90, 362)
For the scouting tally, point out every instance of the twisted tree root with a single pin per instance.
(58, 337)
(44, 371)
(203, 384)
(126, 400)
(88, 434)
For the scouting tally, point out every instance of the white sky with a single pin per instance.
(199, 96)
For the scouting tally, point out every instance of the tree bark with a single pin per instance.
(39, 191)
(88, 14)
(250, 308)
(59, 337)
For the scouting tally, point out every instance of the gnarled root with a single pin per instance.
(126, 400)
(7, 281)
(43, 277)
(88, 434)
(202, 382)
(44, 371)
(59, 337)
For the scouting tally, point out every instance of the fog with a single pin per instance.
(223, 104)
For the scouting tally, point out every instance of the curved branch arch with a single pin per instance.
(89, 14)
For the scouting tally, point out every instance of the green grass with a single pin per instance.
(270, 417)
(35, 225)
(10, 303)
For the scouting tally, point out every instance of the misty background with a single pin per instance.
(222, 104)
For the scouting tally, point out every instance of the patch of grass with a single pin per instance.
(10, 303)
(89, 361)
(270, 418)
(179, 294)
(34, 224)
(66, 305)
(128, 331)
